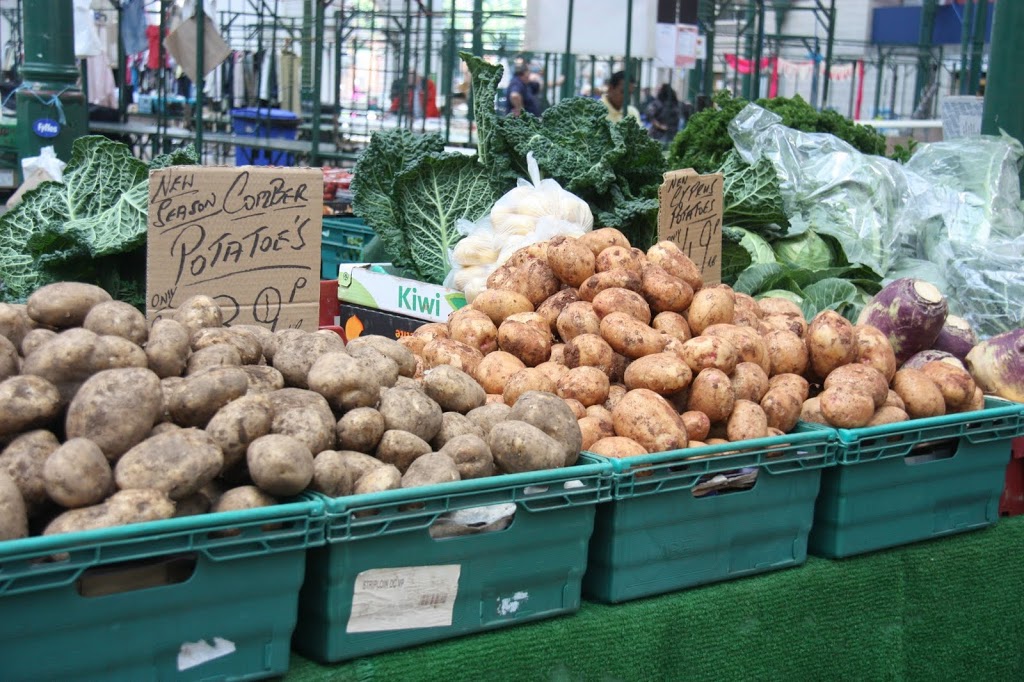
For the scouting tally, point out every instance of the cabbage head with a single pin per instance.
(807, 250)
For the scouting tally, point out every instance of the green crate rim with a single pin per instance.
(412, 509)
(348, 225)
(19, 559)
(789, 453)
(976, 427)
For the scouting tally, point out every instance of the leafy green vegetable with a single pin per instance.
(827, 294)
(430, 197)
(806, 250)
(373, 199)
(751, 194)
(704, 143)
(90, 227)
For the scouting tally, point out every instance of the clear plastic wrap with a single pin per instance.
(951, 215)
(829, 186)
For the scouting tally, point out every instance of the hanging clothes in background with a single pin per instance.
(87, 39)
(291, 77)
(249, 66)
(268, 77)
(101, 84)
(153, 36)
(133, 26)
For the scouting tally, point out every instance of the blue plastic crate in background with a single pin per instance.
(275, 124)
(900, 483)
(342, 241)
(201, 597)
(657, 536)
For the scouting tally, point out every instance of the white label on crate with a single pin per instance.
(404, 598)
(509, 606)
(192, 654)
(6, 178)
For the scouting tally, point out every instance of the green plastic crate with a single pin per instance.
(342, 241)
(157, 601)
(656, 536)
(383, 582)
(901, 483)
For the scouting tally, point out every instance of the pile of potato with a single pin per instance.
(649, 359)
(105, 420)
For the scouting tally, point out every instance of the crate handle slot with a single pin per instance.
(932, 452)
(130, 576)
(493, 518)
(708, 489)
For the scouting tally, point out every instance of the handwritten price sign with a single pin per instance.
(690, 214)
(247, 237)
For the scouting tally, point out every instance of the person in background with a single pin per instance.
(614, 99)
(519, 96)
(420, 97)
(663, 114)
(646, 98)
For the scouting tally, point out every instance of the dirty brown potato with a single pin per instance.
(648, 419)
(588, 385)
(401, 356)
(238, 424)
(697, 425)
(576, 319)
(453, 425)
(360, 430)
(831, 342)
(64, 304)
(401, 448)
(263, 378)
(13, 516)
(430, 469)
(617, 447)
(444, 351)
(617, 278)
(331, 476)
(791, 382)
(621, 300)
(528, 275)
(247, 344)
(747, 421)
(844, 409)
(888, 415)
(177, 463)
(860, 378)
(412, 411)
(198, 312)
(305, 416)
(956, 385)
(77, 474)
(452, 389)
(474, 329)
(673, 325)
(471, 455)
(499, 304)
(665, 292)
(525, 380)
(710, 306)
(280, 465)
(711, 393)
(702, 352)
(787, 353)
(630, 337)
(34, 339)
(496, 369)
(594, 429)
(553, 307)
(749, 382)
(219, 355)
(552, 416)
(518, 447)
(23, 460)
(15, 323)
(601, 238)
(620, 257)
(525, 341)
(241, 498)
(810, 411)
(487, 416)
(668, 256)
(168, 348)
(663, 373)
(782, 408)
(198, 397)
(874, 349)
(120, 509)
(378, 480)
(571, 260)
(28, 402)
(921, 396)
(115, 409)
(264, 337)
(296, 356)
(344, 381)
(590, 350)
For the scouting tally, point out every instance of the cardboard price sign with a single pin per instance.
(690, 214)
(248, 237)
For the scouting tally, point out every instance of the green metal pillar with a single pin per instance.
(707, 15)
(51, 107)
(924, 44)
(748, 47)
(318, 68)
(965, 44)
(755, 91)
(828, 53)
(568, 73)
(978, 45)
(627, 62)
(1004, 99)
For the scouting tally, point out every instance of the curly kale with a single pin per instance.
(704, 143)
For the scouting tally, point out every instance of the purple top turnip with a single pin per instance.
(956, 337)
(997, 365)
(919, 360)
(910, 312)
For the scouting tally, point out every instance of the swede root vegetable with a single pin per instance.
(919, 360)
(910, 312)
(956, 337)
(997, 365)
